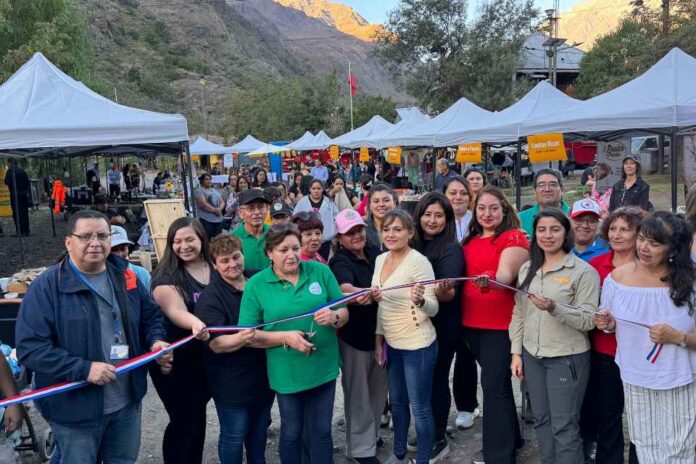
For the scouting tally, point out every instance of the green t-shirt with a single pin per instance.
(527, 217)
(252, 247)
(267, 298)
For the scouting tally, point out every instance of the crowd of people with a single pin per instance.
(592, 312)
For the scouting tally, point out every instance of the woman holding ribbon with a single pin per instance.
(381, 198)
(435, 238)
(552, 315)
(311, 231)
(403, 321)
(364, 381)
(236, 372)
(650, 305)
(494, 249)
(177, 283)
(302, 354)
(602, 410)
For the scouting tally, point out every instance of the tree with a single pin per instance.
(367, 106)
(54, 27)
(438, 56)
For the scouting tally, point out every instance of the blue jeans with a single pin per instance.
(310, 411)
(243, 427)
(112, 439)
(410, 375)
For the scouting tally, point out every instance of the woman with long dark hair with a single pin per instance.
(295, 190)
(549, 337)
(436, 239)
(381, 198)
(495, 248)
(658, 290)
(477, 180)
(457, 191)
(177, 282)
(261, 179)
(631, 190)
(243, 183)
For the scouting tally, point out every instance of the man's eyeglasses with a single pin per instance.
(87, 238)
(548, 186)
(260, 207)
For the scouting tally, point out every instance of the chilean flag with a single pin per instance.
(353, 82)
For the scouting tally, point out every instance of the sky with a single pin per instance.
(375, 11)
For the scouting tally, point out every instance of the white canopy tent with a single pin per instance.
(411, 118)
(356, 137)
(246, 145)
(201, 146)
(267, 148)
(306, 137)
(45, 108)
(505, 126)
(462, 114)
(321, 141)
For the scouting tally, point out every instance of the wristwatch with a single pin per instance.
(682, 343)
(422, 302)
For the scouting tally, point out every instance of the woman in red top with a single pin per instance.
(494, 249)
(602, 409)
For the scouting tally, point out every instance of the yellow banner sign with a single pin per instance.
(546, 147)
(394, 155)
(469, 153)
(5, 209)
(364, 154)
(333, 152)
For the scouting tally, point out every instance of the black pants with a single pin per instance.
(602, 410)
(465, 381)
(441, 398)
(212, 229)
(501, 431)
(114, 190)
(20, 213)
(184, 393)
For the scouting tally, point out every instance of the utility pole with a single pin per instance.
(204, 116)
(665, 18)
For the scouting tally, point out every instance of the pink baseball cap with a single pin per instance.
(347, 219)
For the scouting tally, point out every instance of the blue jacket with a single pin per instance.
(58, 336)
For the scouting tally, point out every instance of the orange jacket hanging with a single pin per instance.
(58, 196)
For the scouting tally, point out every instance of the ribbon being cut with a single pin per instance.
(140, 361)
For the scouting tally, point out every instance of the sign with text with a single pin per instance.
(546, 147)
(610, 156)
(394, 155)
(227, 160)
(333, 151)
(469, 153)
(5, 208)
(364, 154)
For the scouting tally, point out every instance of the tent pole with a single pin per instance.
(182, 163)
(15, 212)
(193, 210)
(50, 210)
(518, 175)
(673, 169)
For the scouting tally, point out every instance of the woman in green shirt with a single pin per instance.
(302, 355)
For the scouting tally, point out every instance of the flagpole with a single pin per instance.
(350, 94)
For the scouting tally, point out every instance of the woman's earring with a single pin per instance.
(671, 259)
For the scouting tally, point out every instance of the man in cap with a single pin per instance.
(548, 189)
(584, 218)
(120, 246)
(280, 213)
(253, 206)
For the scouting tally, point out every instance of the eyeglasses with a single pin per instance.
(87, 238)
(260, 207)
(589, 221)
(548, 186)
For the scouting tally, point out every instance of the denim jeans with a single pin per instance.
(112, 439)
(309, 411)
(410, 375)
(243, 427)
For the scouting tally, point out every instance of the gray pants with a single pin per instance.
(364, 393)
(556, 391)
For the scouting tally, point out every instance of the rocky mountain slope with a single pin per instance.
(187, 55)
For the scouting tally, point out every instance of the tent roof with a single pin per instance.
(45, 108)
(205, 147)
(321, 141)
(246, 145)
(355, 138)
(504, 126)
(461, 114)
(267, 148)
(411, 118)
(306, 137)
(662, 97)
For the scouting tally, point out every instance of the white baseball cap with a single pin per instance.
(119, 236)
(585, 206)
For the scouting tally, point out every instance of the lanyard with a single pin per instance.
(115, 314)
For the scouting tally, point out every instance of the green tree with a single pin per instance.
(54, 27)
(367, 106)
(439, 56)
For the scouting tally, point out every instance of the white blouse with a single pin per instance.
(675, 366)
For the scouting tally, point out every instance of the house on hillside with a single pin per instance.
(534, 63)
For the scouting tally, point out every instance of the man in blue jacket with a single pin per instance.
(77, 321)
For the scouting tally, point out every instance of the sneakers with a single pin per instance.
(465, 419)
(439, 452)
(384, 422)
(478, 458)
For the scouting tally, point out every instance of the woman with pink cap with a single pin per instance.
(364, 382)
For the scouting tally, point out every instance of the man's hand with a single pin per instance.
(165, 361)
(14, 415)
(101, 373)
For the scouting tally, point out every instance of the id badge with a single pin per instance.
(119, 352)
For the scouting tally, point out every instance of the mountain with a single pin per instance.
(187, 55)
(337, 15)
(591, 19)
